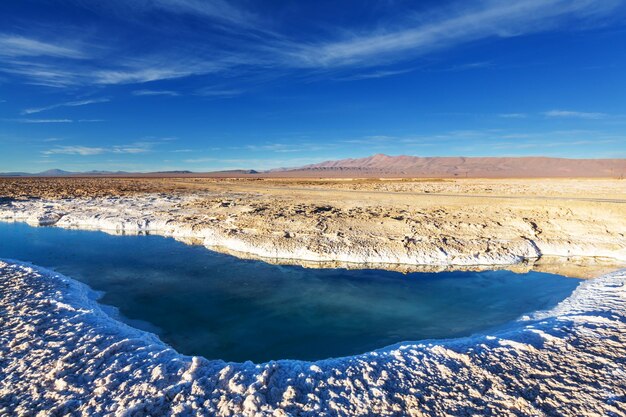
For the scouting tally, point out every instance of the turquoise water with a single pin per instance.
(214, 305)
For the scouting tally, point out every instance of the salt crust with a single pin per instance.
(60, 354)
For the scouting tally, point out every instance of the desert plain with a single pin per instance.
(571, 226)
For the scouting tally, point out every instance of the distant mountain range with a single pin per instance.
(59, 173)
(95, 173)
(459, 167)
(381, 165)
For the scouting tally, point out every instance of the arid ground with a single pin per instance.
(442, 223)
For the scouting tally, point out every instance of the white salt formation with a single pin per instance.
(61, 355)
(347, 232)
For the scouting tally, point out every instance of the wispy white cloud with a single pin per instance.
(75, 150)
(479, 20)
(41, 120)
(156, 93)
(49, 74)
(20, 46)
(121, 69)
(480, 139)
(376, 74)
(553, 144)
(575, 114)
(133, 148)
(215, 9)
(375, 140)
(219, 93)
(76, 103)
(138, 147)
(513, 115)
(63, 62)
(288, 147)
(385, 142)
(165, 65)
(139, 75)
(469, 66)
(34, 121)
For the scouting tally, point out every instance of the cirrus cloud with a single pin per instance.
(75, 103)
(244, 51)
(132, 148)
(575, 114)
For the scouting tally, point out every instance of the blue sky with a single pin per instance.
(144, 85)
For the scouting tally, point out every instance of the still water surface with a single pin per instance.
(218, 306)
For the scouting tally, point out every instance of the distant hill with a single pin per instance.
(460, 167)
(95, 173)
(54, 173)
(381, 165)
(48, 173)
(60, 173)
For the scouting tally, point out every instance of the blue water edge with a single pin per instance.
(221, 307)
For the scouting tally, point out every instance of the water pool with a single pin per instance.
(218, 306)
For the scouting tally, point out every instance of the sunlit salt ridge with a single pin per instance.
(173, 216)
(218, 306)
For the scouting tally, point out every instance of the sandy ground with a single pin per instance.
(392, 224)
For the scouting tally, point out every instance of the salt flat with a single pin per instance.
(62, 354)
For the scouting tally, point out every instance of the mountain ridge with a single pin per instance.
(382, 165)
(461, 166)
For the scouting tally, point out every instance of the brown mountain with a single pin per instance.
(449, 167)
